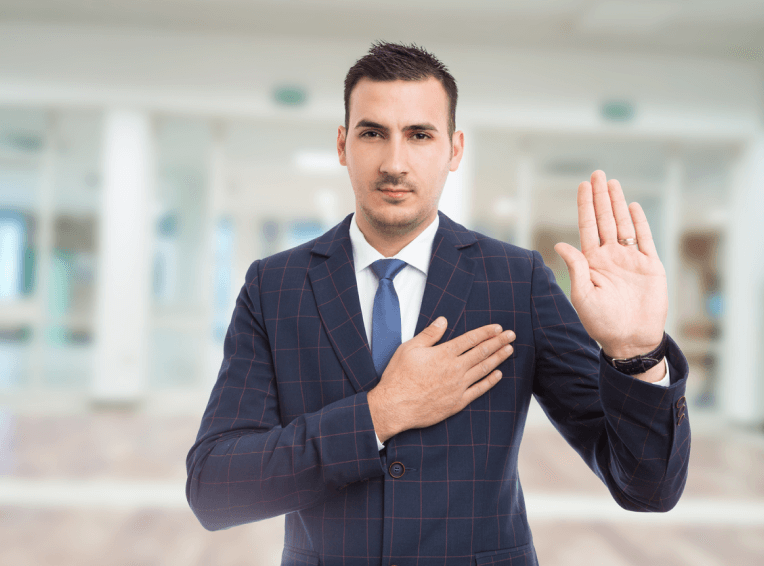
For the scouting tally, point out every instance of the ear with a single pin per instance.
(341, 139)
(457, 150)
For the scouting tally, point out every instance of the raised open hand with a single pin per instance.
(619, 291)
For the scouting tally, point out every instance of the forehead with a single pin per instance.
(399, 102)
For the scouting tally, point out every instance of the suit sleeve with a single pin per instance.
(634, 435)
(245, 466)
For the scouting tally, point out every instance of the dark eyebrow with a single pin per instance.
(370, 124)
(425, 127)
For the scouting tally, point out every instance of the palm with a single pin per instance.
(619, 291)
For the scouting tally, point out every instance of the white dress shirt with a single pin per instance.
(409, 284)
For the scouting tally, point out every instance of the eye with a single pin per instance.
(421, 136)
(370, 134)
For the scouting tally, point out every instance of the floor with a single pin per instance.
(107, 487)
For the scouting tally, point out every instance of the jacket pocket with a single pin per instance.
(298, 557)
(517, 556)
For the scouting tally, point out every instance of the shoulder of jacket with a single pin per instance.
(498, 248)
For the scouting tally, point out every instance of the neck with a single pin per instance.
(390, 241)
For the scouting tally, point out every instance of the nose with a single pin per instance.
(394, 161)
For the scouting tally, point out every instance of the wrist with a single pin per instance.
(626, 351)
(380, 415)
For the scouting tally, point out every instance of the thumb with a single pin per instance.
(578, 267)
(430, 335)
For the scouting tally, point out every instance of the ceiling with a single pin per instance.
(731, 29)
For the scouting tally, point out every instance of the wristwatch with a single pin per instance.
(639, 364)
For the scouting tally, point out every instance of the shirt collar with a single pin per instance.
(417, 253)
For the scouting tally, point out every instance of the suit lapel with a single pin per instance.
(450, 276)
(336, 292)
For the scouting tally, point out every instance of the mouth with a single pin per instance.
(394, 192)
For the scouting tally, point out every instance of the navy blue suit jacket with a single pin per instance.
(288, 431)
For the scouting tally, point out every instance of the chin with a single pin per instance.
(398, 222)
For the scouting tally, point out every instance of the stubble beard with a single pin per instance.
(386, 226)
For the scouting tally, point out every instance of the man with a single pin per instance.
(386, 454)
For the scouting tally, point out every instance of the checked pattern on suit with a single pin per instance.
(287, 429)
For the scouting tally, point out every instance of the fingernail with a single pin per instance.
(497, 329)
(440, 322)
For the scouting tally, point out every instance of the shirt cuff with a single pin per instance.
(665, 382)
(380, 446)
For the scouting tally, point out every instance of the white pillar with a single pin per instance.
(740, 388)
(124, 259)
(45, 241)
(214, 213)
(524, 223)
(456, 200)
(671, 234)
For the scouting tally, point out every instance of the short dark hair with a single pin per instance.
(395, 61)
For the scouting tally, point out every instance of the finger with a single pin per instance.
(644, 235)
(480, 388)
(430, 335)
(486, 348)
(578, 268)
(470, 339)
(486, 366)
(603, 209)
(623, 222)
(587, 221)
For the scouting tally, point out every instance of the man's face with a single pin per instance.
(398, 152)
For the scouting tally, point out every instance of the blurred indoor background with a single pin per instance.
(150, 150)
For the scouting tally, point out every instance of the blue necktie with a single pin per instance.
(386, 318)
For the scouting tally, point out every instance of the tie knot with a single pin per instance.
(387, 268)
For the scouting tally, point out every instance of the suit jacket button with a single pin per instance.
(397, 469)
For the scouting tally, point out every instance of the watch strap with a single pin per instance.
(641, 363)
